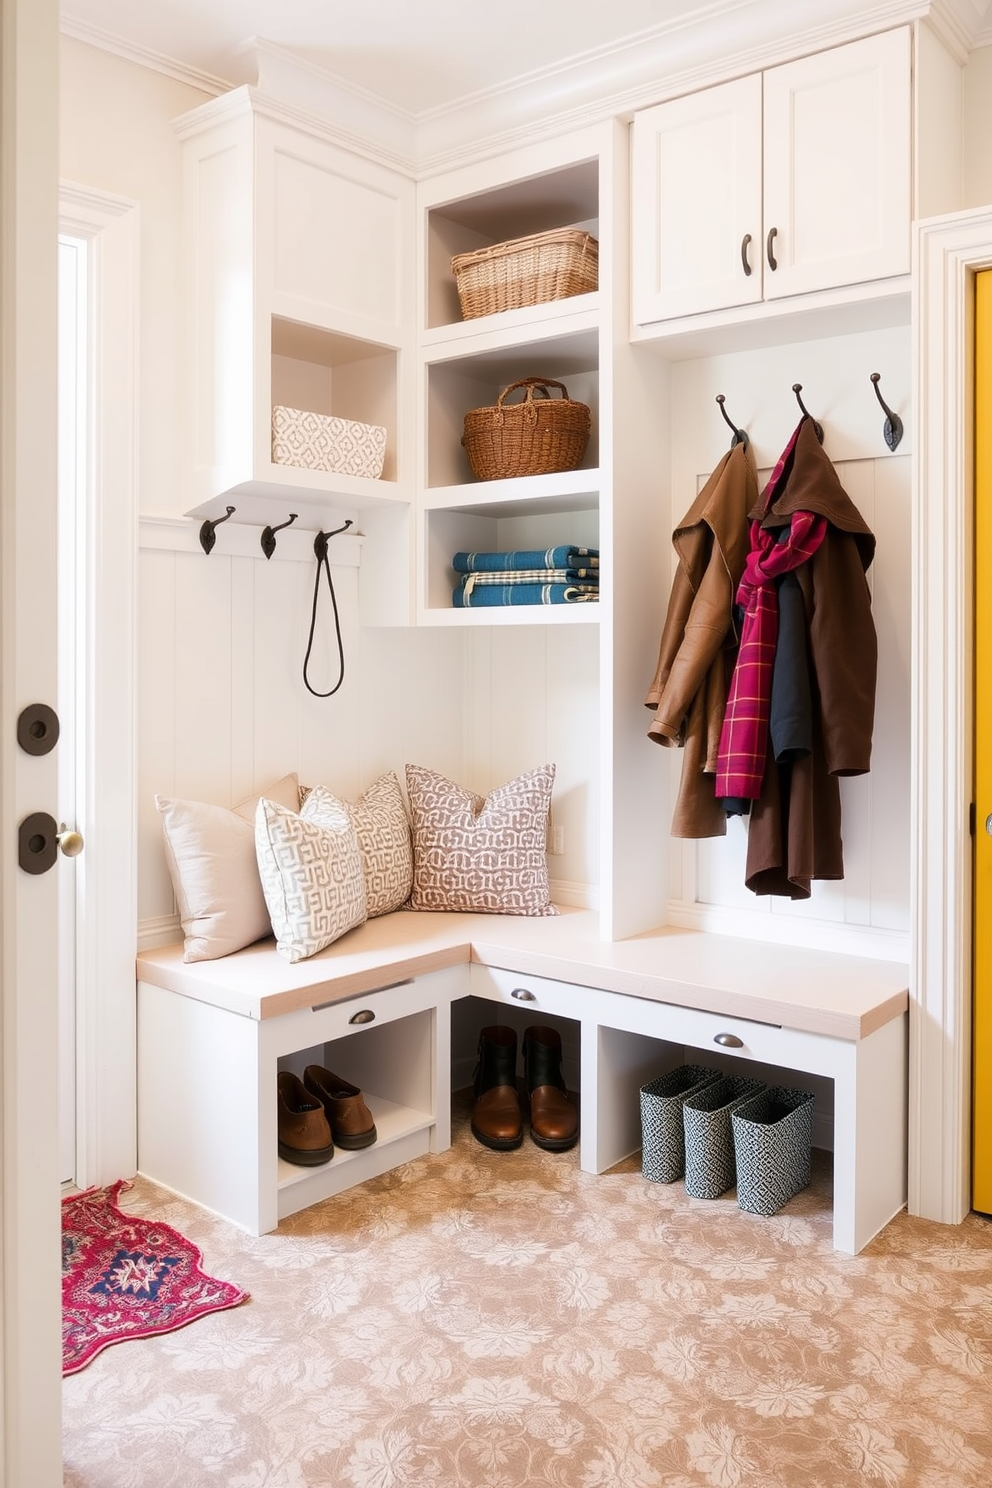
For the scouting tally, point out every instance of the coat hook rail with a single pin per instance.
(208, 532)
(893, 429)
(268, 538)
(740, 435)
(797, 388)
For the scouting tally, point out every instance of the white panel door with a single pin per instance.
(30, 1331)
(837, 166)
(696, 209)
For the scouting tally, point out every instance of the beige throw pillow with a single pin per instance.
(211, 856)
(383, 831)
(488, 854)
(311, 878)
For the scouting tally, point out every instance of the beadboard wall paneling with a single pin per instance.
(223, 709)
(867, 913)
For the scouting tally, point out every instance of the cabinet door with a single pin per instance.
(837, 166)
(696, 195)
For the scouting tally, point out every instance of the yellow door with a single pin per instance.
(982, 1160)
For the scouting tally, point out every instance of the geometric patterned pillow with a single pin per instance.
(311, 878)
(487, 855)
(383, 831)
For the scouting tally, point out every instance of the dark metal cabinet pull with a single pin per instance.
(365, 1016)
(745, 245)
(769, 249)
(729, 1041)
(522, 995)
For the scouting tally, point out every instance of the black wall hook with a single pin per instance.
(268, 538)
(892, 432)
(208, 533)
(740, 435)
(797, 388)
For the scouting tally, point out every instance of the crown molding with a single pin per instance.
(729, 39)
(132, 51)
(248, 99)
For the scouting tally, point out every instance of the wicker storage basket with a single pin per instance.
(527, 271)
(316, 441)
(773, 1135)
(662, 1126)
(534, 437)
(709, 1139)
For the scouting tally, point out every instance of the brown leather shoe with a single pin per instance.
(554, 1119)
(303, 1132)
(496, 1119)
(351, 1122)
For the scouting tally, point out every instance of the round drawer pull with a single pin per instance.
(365, 1016)
(729, 1041)
(522, 995)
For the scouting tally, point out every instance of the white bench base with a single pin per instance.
(207, 1068)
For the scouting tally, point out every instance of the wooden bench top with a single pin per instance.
(824, 992)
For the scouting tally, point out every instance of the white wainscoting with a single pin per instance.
(223, 709)
(867, 913)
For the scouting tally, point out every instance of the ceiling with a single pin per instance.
(419, 57)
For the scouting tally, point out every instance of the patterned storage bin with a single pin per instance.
(662, 1128)
(709, 1139)
(773, 1134)
(316, 441)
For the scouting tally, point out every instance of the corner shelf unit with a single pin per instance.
(285, 309)
(466, 364)
(617, 500)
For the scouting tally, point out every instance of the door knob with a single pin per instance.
(988, 824)
(71, 843)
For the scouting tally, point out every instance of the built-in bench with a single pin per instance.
(376, 1008)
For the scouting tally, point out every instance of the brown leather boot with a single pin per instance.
(304, 1135)
(350, 1119)
(496, 1120)
(554, 1120)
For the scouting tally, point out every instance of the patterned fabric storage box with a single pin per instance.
(316, 441)
(773, 1135)
(662, 1127)
(709, 1138)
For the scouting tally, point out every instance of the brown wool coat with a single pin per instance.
(794, 834)
(699, 641)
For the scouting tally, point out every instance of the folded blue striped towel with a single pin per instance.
(492, 596)
(534, 576)
(565, 555)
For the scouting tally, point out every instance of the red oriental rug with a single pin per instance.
(126, 1277)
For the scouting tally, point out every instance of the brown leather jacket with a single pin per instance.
(698, 641)
(795, 829)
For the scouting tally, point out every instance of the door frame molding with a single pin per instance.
(106, 882)
(949, 252)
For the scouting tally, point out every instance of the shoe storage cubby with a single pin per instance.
(207, 1105)
(391, 1065)
(470, 1015)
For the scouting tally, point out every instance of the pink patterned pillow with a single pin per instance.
(487, 855)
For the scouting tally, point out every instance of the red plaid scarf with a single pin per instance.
(744, 736)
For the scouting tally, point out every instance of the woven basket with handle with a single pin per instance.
(534, 437)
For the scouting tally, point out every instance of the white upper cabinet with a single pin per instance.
(696, 189)
(299, 294)
(837, 167)
(779, 184)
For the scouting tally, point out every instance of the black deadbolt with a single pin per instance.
(38, 729)
(37, 842)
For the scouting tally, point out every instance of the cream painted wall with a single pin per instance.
(978, 128)
(116, 136)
